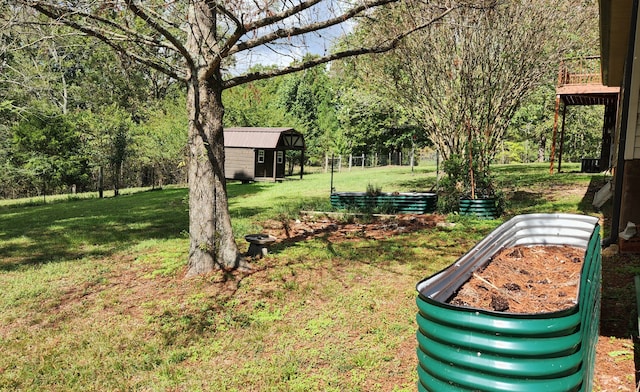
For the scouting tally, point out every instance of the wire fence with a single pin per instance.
(348, 162)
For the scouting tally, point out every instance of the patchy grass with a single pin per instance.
(93, 295)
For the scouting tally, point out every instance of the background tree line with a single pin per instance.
(76, 115)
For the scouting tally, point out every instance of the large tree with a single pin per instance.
(193, 42)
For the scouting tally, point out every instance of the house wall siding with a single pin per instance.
(636, 142)
(630, 189)
(632, 146)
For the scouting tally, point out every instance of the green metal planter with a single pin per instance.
(482, 208)
(405, 203)
(468, 349)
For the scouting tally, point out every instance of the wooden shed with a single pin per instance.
(259, 154)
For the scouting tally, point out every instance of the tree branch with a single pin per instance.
(297, 31)
(385, 47)
(237, 34)
(278, 17)
(111, 37)
(160, 29)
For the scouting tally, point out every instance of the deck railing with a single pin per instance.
(584, 70)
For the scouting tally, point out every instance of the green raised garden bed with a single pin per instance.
(462, 348)
(404, 203)
(482, 208)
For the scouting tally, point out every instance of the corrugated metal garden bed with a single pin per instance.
(396, 202)
(462, 347)
(482, 208)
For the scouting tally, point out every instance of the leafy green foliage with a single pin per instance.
(375, 124)
(345, 109)
(308, 99)
(83, 98)
(254, 105)
(530, 131)
(583, 133)
(111, 137)
(460, 184)
(159, 142)
(50, 150)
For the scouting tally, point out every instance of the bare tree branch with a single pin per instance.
(384, 47)
(300, 30)
(145, 48)
(111, 37)
(162, 30)
(275, 18)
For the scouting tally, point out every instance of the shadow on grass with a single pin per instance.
(586, 204)
(72, 229)
(420, 184)
(376, 242)
(520, 202)
(181, 325)
(90, 227)
(619, 313)
(238, 189)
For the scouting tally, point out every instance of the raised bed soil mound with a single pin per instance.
(525, 279)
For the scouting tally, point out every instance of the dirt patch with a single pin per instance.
(525, 279)
(346, 228)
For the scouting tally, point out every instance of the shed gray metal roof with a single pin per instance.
(257, 137)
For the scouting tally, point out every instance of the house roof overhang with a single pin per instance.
(615, 22)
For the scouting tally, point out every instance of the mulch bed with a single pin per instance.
(525, 279)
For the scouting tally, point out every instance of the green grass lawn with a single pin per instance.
(92, 294)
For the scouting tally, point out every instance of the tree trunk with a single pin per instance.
(116, 179)
(101, 182)
(542, 146)
(212, 242)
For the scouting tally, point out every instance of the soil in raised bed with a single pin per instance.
(525, 279)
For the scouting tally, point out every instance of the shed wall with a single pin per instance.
(265, 169)
(239, 163)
